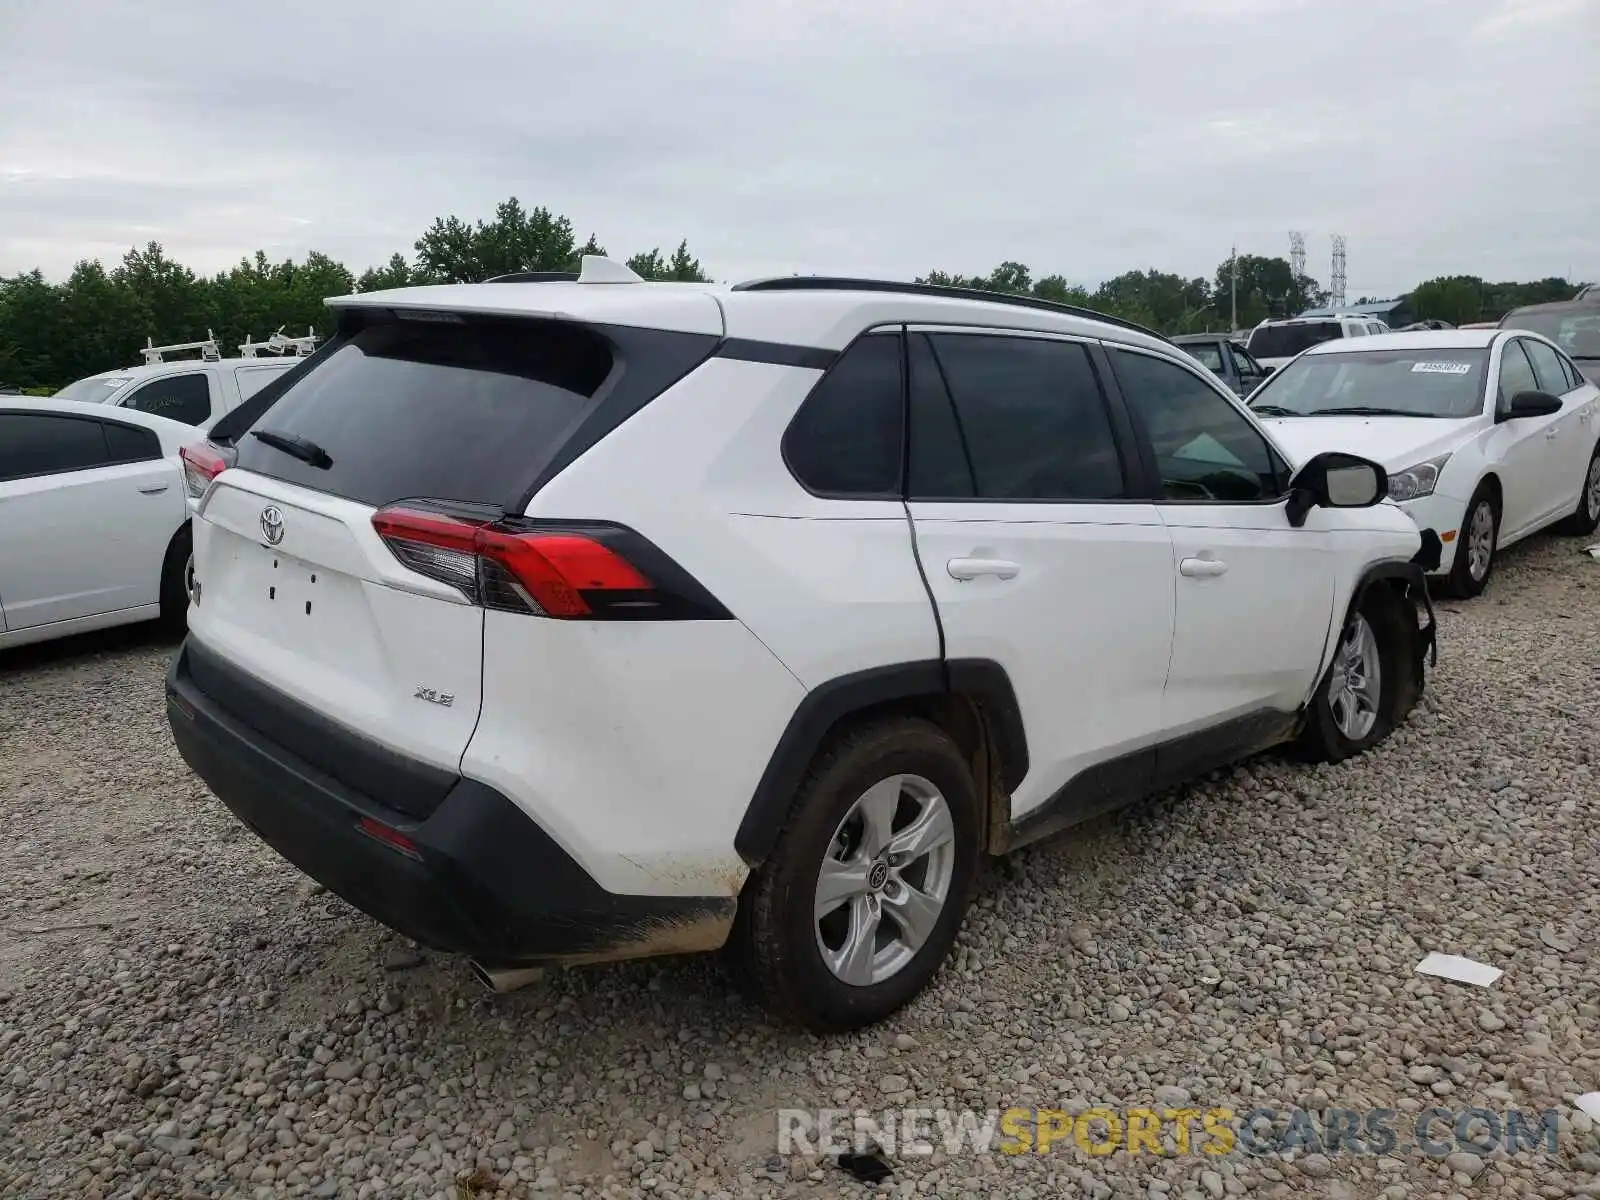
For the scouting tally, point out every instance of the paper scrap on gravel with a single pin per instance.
(1594, 550)
(1462, 970)
(1589, 1102)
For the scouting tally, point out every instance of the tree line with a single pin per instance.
(98, 319)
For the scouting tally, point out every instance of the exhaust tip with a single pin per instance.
(510, 980)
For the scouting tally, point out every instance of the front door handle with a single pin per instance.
(154, 489)
(1551, 434)
(1202, 568)
(971, 568)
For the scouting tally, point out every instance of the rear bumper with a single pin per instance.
(483, 880)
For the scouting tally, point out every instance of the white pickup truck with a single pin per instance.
(194, 391)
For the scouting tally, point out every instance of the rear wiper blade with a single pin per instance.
(1273, 410)
(295, 446)
(1362, 411)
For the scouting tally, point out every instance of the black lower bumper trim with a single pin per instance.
(485, 880)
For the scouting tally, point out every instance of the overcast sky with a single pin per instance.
(846, 136)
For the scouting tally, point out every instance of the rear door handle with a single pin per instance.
(971, 568)
(1202, 568)
(154, 489)
(1551, 434)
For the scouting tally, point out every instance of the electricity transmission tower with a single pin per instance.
(1336, 281)
(1297, 253)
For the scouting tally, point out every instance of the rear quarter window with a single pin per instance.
(848, 436)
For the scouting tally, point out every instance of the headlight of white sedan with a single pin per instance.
(1415, 482)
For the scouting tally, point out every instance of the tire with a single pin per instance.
(1586, 517)
(1465, 580)
(175, 581)
(780, 945)
(1331, 732)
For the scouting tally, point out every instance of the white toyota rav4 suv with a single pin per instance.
(561, 621)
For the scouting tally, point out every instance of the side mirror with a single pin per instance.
(1335, 480)
(1530, 404)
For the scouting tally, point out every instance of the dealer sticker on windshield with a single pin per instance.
(1440, 368)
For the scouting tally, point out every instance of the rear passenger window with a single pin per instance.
(34, 444)
(185, 398)
(1574, 376)
(848, 436)
(130, 443)
(1029, 416)
(1205, 448)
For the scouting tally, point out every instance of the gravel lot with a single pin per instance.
(181, 1013)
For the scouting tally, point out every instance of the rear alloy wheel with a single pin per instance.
(1585, 519)
(858, 904)
(1373, 681)
(885, 880)
(1479, 537)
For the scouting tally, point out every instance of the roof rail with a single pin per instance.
(208, 350)
(831, 283)
(535, 277)
(294, 347)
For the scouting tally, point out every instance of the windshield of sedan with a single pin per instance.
(1285, 341)
(1575, 330)
(1439, 382)
(97, 389)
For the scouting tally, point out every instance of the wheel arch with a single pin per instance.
(970, 699)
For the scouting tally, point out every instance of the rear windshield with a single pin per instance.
(1285, 341)
(1208, 353)
(1401, 383)
(1576, 330)
(444, 410)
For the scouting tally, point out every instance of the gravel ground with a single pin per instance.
(181, 1013)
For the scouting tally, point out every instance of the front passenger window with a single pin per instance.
(1547, 368)
(1516, 373)
(1206, 450)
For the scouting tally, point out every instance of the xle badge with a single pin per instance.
(434, 696)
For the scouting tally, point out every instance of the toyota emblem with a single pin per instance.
(272, 524)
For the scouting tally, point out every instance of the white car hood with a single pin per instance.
(1394, 443)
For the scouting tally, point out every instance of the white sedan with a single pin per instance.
(1487, 435)
(94, 530)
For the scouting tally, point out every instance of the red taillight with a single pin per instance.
(549, 573)
(203, 462)
(390, 837)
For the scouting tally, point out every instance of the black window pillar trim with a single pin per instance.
(1138, 453)
(830, 703)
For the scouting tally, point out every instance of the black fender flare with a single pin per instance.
(824, 706)
(1412, 574)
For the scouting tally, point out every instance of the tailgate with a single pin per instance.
(326, 616)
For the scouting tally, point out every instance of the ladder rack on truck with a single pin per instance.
(293, 347)
(154, 354)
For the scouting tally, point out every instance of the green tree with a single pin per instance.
(1454, 298)
(1267, 287)
(452, 251)
(396, 273)
(682, 267)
